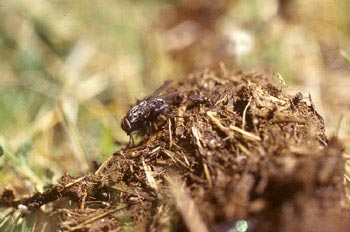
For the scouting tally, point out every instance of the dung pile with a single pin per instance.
(232, 153)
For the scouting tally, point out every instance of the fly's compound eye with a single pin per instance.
(126, 125)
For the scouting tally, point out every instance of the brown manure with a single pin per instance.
(231, 153)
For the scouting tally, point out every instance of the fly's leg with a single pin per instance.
(131, 141)
(167, 112)
(149, 128)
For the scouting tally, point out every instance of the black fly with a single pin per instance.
(142, 114)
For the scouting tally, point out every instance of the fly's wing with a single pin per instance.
(170, 97)
(159, 90)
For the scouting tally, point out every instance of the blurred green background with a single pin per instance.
(70, 69)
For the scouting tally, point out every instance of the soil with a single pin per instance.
(232, 153)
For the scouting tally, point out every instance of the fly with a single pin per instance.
(142, 114)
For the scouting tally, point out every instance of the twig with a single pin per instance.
(245, 112)
(187, 207)
(94, 218)
(207, 175)
(246, 134)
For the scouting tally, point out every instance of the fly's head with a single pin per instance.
(126, 125)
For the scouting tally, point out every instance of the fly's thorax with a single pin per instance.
(137, 112)
(158, 105)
